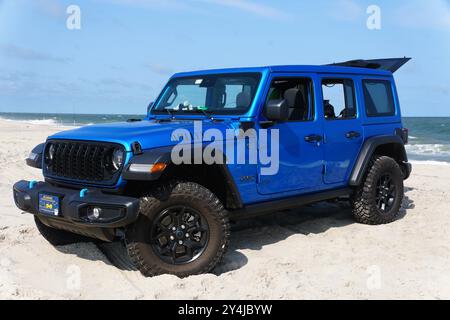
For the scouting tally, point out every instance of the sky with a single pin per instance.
(125, 50)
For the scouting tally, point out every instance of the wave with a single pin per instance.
(43, 121)
(429, 149)
(430, 162)
(46, 122)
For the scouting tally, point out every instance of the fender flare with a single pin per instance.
(163, 155)
(367, 151)
(38, 151)
(152, 156)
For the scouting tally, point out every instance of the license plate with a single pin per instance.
(48, 204)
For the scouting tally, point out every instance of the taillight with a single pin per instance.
(405, 135)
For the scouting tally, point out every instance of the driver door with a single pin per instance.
(300, 138)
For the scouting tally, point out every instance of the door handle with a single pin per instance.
(313, 138)
(352, 134)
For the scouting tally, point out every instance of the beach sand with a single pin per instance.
(317, 252)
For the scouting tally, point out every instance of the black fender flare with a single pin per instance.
(163, 155)
(367, 151)
(152, 156)
(36, 162)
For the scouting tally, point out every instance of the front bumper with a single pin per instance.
(116, 210)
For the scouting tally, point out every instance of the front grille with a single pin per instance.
(87, 162)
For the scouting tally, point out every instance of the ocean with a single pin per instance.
(63, 119)
(429, 137)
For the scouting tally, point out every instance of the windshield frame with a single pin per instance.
(226, 112)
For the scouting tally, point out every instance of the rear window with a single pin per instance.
(378, 98)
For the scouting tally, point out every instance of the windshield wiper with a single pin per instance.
(206, 113)
(170, 112)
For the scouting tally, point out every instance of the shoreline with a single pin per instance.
(427, 156)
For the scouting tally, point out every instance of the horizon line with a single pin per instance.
(118, 114)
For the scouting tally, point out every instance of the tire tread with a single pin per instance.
(188, 190)
(362, 206)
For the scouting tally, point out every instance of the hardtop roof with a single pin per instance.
(290, 68)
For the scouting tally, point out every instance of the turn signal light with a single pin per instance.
(158, 167)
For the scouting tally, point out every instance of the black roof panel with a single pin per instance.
(391, 64)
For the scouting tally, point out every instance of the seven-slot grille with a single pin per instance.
(83, 161)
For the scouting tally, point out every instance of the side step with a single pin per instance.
(289, 203)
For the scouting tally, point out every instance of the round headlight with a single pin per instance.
(51, 152)
(117, 159)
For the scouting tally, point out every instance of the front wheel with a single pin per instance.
(182, 230)
(378, 199)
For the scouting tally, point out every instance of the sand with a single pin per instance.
(317, 252)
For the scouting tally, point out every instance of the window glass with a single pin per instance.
(298, 94)
(339, 99)
(195, 95)
(213, 94)
(378, 98)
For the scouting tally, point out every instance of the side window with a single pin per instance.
(378, 98)
(339, 99)
(298, 92)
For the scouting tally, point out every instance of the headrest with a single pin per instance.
(243, 100)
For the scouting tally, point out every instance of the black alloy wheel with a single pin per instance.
(179, 235)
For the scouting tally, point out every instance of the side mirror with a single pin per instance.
(150, 105)
(277, 110)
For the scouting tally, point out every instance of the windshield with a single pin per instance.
(209, 94)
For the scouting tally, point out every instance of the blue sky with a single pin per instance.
(126, 49)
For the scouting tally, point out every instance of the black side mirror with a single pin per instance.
(150, 105)
(277, 110)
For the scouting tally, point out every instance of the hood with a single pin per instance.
(149, 133)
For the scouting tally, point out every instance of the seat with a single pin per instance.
(329, 110)
(298, 109)
(243, 100)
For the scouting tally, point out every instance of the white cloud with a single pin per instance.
(160, 69)
(347, 10)
(247, 6)
(169, 4)
(255, 8)
(433, 14)
(51, 7)
(13, 51)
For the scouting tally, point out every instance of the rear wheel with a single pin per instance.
(58, 237)
(182, 229)
(378, 199)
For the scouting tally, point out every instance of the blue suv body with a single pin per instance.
(339, 134)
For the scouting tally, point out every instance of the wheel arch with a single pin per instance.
(215, 177)
(391, 146)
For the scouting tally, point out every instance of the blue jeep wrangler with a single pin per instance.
(340, 135)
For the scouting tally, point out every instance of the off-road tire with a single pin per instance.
(58, 237)
(364, 206)
(143, 255)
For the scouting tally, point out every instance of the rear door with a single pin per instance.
(342, 127)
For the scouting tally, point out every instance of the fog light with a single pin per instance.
(94, 213)
(103, 214)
